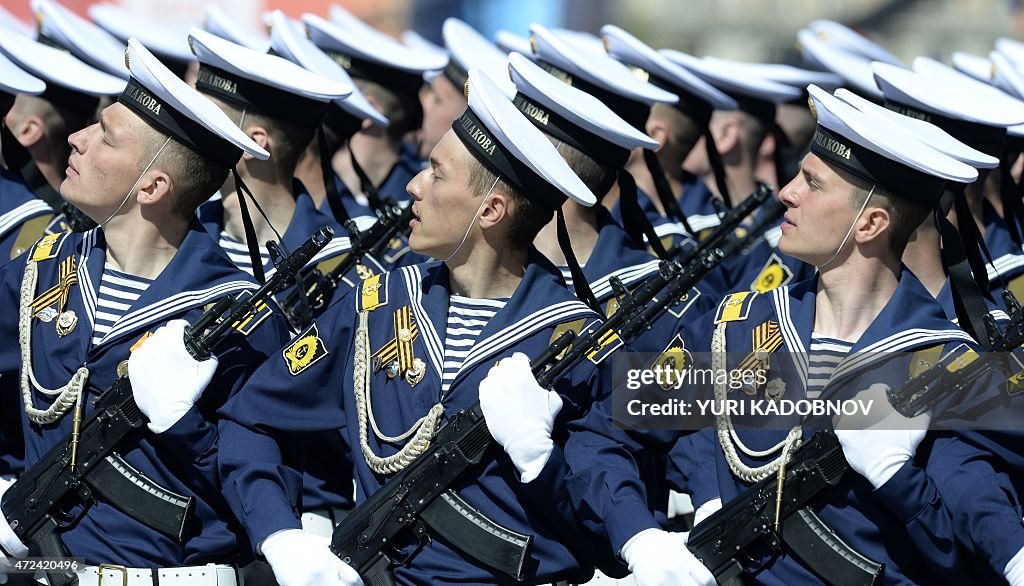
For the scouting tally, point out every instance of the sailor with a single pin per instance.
(81, 302)
(279, 105)
(39, 125)
(375, 165)
(851, 218)
(23, 217)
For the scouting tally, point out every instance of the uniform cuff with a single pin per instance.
(908, 492)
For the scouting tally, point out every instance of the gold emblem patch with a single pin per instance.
(676, 359)
(305, 351)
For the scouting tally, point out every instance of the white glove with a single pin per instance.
(1014, 571)
(166, 380)
(520, 414)
(303, 559)
(877, 445)
(9, 542)
(660, 558)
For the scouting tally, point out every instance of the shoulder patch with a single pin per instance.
(676, 359)
(735, 307)
(247, 325)
(397, 248)
(373, 293)
(773, 275)
(49, 246)
(607, 345)
(924, 359)
(305, 350)
(30, 232)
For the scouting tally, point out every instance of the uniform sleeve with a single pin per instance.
(294, 393)
(984, 503)
(606, 483)
(691, 467)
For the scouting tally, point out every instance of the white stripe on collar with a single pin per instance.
(797, 352)
(85, 280)
(15, 217)
(602, 286)
(772, 236)
(704, 222)
(903, 340)
(538, 320)
(168, 306)
(431, 340)
(1004, 264)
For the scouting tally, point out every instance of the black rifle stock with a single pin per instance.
(34, 505)
(316, 288)
(744, 526)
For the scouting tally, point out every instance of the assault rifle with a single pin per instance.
(957, 371)
(729, 222)
(760, 520)
(316, 288)
(419, 499)
(85, 466)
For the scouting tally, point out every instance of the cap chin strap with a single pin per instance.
(850, 231)
(131, 190)
(634, 220)
(664, 191)
(472, 222)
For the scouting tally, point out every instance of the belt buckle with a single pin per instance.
(122, 569)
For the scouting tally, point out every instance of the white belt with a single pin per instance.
(208, 575)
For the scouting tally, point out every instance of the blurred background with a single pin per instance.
(755, 30)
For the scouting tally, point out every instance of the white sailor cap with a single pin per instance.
(14, 80)
(582, 40)
(369, 54)
(831, 32)
(510, 42)
(935, 69)
(414, 40)
(868, 148)
(64, 29)
(797, 77)
(505, 142)
(1012, 48)
(573, 116)
(169, 42)
(927, 132)
(169, 104)
(219, 23)
(288, 41)
(753, 94)
(262, 82)
(976, 66)
(854, 69)
(15, 24)
(469, 49)
(975, 117)
(600, 76)
(660, 71)
(1006, 75)
(70, 82)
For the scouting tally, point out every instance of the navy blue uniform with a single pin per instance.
(18, 207)
(182, 459)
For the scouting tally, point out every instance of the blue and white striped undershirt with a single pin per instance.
(566, 276)
(118, 292)
(824, 357)
(238, 252)
(466, 319)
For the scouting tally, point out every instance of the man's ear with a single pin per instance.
(767, 148)
(154, 187)
(658, 130)
(873, 223)
(260, 136)
(727, 135)
(497, 208)
(29, 130)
